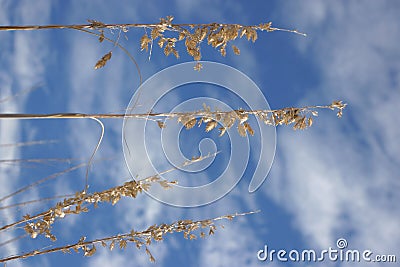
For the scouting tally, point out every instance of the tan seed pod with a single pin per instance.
(249, 129)
(190, 124)
(144, 42)
(236, 50)
(198, 66)
(155, 33)
(211, 125)
(122, 244)
(181, 36)
(310, 122)
(112, 245)
(101, 37)
(90, 252)
(103, 61)
(161, 124)
(242, 130)
(161, 42)
(222, 131)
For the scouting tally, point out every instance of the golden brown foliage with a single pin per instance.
(102, 62)
(41, 223)
(138, 238)
(299, 117)
(217, 35)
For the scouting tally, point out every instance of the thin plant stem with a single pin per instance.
(142, 115)
(100, 25)
(141, 185)
(94, 152)
(34, 201)
(132, 236)
(30, 143)
(13, 240)
(53, 176)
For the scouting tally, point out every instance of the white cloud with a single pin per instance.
(189, 9)
(9, 130)
(231, 246)
(4, 6)
(23, 56)
(27, 12)
(339, 177)
(130, 257)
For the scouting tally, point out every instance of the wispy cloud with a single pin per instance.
(129, 257)
(23, 60)
(339, 177)
(231, 246)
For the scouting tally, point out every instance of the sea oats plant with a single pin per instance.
(164, 34)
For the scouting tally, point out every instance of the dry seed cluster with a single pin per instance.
(217, 35)
(300, 118)
(139, 238)
(41, 223)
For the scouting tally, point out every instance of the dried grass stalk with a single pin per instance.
(217, 35)
(138, 238)
(41, 223)
(299, 117)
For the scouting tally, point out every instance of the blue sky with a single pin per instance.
(338, 178)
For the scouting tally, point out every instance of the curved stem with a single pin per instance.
(94, 153)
